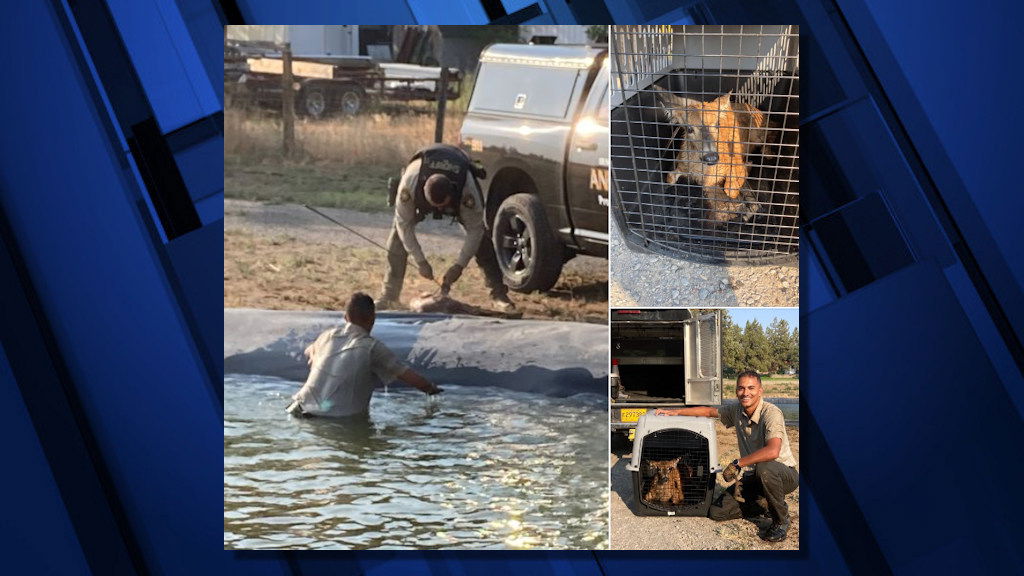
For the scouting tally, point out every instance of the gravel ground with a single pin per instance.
(641, 278)
(631, 532)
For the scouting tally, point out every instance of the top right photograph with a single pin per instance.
(705, 187)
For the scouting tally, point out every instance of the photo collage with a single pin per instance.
(511, 287)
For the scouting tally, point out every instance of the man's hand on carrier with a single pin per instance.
(425, 270)
(731, 471)
(452, 275)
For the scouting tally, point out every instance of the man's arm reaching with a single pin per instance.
(706, 411)
(410, 377)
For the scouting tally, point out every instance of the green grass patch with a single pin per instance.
(362, 188)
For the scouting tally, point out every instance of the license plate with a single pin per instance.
(632, 414)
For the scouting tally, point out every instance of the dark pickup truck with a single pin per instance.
(538, 123)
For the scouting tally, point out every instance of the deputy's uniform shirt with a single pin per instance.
(346, 364)
(753, 432)
(470, 214)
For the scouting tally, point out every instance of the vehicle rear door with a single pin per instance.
(703, 359)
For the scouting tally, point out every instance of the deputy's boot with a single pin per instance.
(388, 302)
(502, 303)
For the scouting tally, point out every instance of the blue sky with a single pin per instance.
(765, 315)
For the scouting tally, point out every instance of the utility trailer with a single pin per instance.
(328, 85)
(663, 359)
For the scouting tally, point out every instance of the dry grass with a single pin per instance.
(781, 386)
(370, 139)
(342, 162)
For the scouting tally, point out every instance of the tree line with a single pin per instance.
(774, 350)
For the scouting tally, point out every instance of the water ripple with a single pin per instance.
(479, 467)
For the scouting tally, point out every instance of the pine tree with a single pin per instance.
(732, 346)
(779, 345)
(794, 349)
(757, 351)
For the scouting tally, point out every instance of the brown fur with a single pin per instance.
(736, 129)
(666, 483)
(443, 304)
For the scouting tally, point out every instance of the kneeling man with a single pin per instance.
(766, 464)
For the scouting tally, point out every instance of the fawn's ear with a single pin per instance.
(723, 102)
(675, 462)
(675, 107)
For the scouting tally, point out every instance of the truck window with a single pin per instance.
(538, 91)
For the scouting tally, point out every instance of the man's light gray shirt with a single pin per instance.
(346, 364)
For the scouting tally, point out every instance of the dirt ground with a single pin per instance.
(284, 257)
(631, 532)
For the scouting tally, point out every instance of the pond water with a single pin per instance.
(476, 467)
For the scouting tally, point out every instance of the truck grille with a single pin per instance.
(696, 173)
(694, 470)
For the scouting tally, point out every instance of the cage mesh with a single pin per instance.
(693, 467)
(708, 341)
(705, 139)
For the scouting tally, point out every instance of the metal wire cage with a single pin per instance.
(705, 140)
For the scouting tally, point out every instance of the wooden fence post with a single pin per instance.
(442, 100)
(287, 102)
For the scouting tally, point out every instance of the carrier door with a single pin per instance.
(703, 357)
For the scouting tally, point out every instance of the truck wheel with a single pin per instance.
(314, 102)
(351, 101)
(529, 253)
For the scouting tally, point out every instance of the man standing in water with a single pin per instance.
(346, 364)
(764, 446)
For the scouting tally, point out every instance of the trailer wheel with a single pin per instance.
(529, 254)
(314, 102)
(351, 100)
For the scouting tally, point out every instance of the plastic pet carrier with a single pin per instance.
(705, 140)
(674, 465)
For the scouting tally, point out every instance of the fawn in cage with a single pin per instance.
(666, 483)
(716, 141)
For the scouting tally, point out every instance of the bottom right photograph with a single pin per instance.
(705, 427)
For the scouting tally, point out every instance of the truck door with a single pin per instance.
(587, 170)
(703, 359)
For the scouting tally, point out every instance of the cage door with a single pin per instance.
(704, 366)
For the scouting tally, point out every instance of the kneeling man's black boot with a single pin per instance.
(776, 532)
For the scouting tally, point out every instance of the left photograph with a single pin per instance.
(416, 287)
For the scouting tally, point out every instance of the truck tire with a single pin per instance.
(529, 254)
(315, 102)
(350, 100)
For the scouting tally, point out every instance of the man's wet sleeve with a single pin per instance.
(471, 212)
(385, 364)
(774, 424)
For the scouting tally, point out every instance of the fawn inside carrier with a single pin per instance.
(674, 465)
(705, 139)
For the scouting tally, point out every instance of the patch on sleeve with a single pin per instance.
(404, 196)
(468, 201)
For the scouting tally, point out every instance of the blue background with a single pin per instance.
(111, 227)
